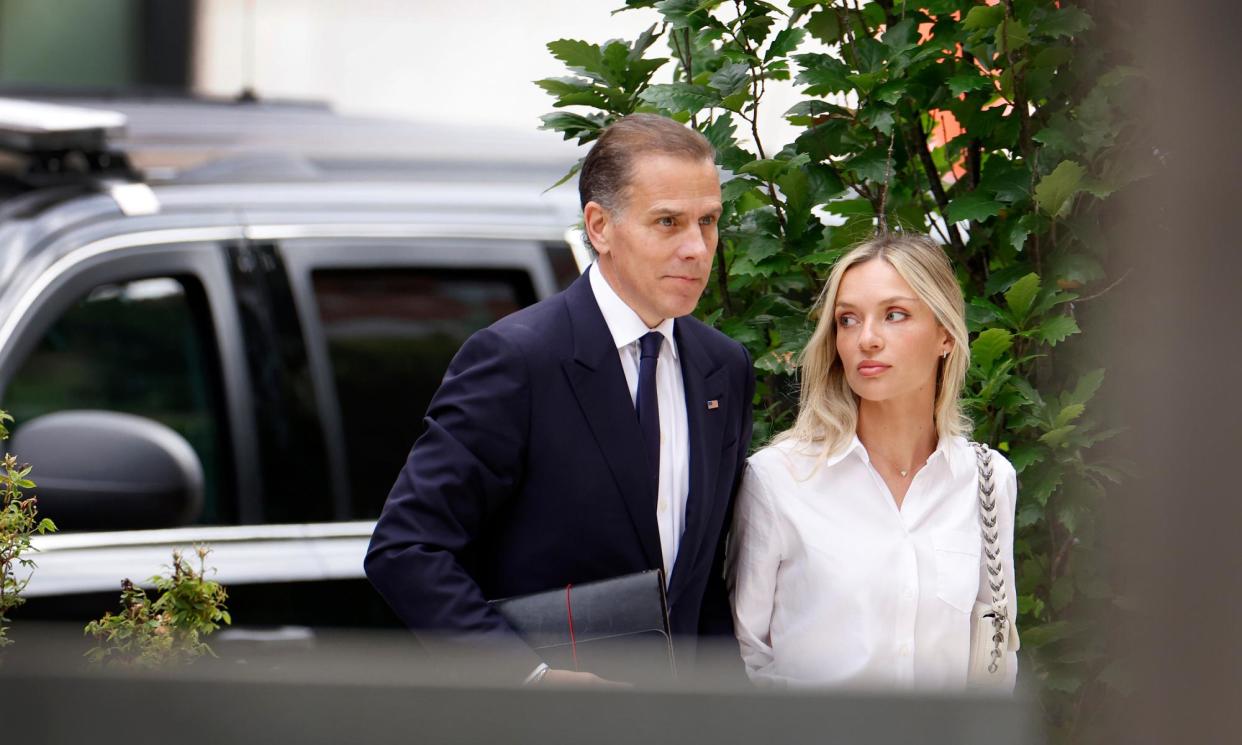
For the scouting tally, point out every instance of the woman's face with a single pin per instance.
(888, 340)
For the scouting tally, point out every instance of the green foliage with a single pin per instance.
(1016, 197)
(168, 631)
(19, 522)
(1054, 191)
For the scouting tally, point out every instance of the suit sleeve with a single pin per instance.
(468, 463)
(716, 617)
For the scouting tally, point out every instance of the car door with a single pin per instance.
(143, 322)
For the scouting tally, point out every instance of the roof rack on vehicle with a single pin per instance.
(44, 145)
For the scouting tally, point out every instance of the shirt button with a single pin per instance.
(908, 593)
(662, 506)
(904, 650)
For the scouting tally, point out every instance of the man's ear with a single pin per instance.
(596, 221)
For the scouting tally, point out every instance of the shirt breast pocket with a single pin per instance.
(957, 567)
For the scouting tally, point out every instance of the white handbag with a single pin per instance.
(992, 632)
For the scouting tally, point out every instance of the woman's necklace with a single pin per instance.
(903, 471)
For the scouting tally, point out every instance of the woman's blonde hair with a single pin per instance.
(828, 408)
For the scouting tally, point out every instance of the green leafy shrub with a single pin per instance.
(19, 521)
(1000, 129)
(168, 631)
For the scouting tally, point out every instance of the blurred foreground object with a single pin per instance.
(377, 689)
(1175, 335)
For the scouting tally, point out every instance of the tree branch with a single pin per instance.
(937, 189)
(1061, 556)
(888, 177)
(722, 281)
(927, 211)
(1020, 104)
(974, 152)
(682, 52)
(843, 22)
(689, 69)
(1021, 107)
(757, 89)
(1106, 289)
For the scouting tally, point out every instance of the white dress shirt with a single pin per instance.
(833, 584)
(626, 329)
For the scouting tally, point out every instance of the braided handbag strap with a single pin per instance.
(990, 528)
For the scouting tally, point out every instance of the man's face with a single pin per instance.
(656, 250)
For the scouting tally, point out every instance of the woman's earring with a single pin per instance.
(944, 355)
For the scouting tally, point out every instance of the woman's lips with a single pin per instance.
(871, 369)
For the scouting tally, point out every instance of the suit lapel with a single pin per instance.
(704, 382)
(598, 383)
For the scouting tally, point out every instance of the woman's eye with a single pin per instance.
(896, 315)
(845, 320)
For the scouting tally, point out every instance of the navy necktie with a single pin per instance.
(647, 402)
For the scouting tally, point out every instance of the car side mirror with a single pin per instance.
(103, 470)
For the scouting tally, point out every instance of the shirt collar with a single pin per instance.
(955, 451)
(958, 453)
(623, 323)
(854, 448)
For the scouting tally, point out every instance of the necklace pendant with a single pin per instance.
(903, 474)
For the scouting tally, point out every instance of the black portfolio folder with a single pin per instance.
(616, 628)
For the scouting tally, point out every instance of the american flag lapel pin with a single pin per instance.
(713, 404)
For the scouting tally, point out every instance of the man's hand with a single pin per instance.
(573, 679)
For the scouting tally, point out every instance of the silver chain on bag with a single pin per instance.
(989, 527)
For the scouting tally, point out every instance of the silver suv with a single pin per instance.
(222, 323)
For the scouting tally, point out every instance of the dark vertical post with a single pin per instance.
(165, 47)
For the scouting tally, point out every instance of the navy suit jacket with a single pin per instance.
(532, 474)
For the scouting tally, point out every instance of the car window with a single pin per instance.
(142, 347)
(391, 334)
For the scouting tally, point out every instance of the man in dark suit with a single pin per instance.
(598, 433)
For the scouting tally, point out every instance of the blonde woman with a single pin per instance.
(856, 551)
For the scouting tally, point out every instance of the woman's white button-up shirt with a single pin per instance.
(832, 584)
